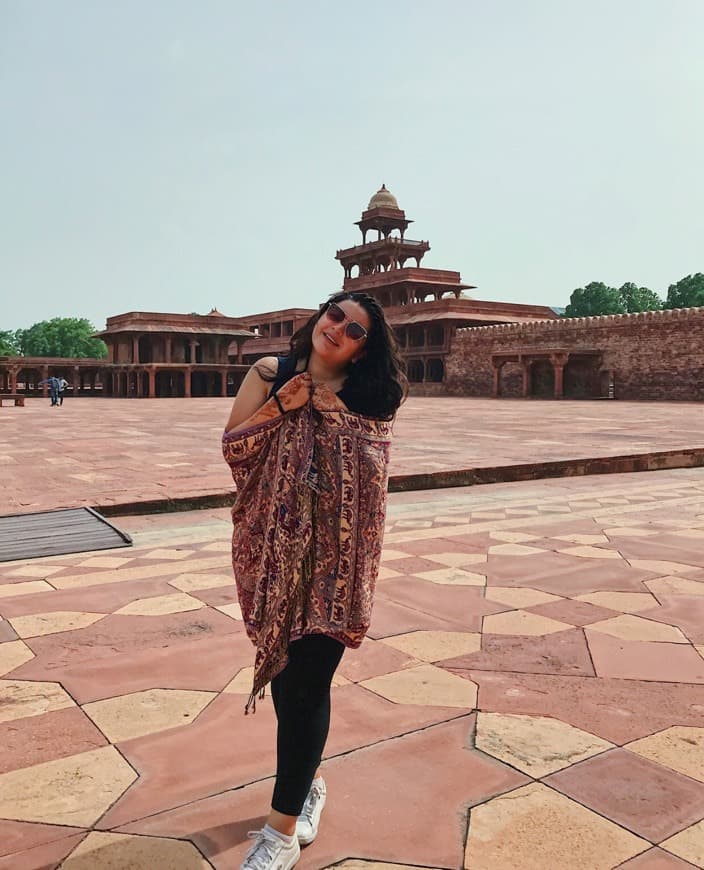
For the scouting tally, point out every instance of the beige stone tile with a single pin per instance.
(512, 537)
(218, 547)
(660, 567)
(39, 624)
(22, 698)
(629, 532)
(141, 572)
(625, 602)
(146, 712)
(488, 515)
(35, 570)
(13, 653)
(241, 683)
(194, 582)
(75, 790)
(517, 596)
(590, 553)
(680, 748)
(456, 520)
(454, 560)
(689, 533)
(700, 650)
(161, 605)
(434, 646)
(452, 577)
(388, 555)
(105, 562)
(675, 586)
(387, 573)
(629, 627)
(535, 828)
(520, 622)
(10, 590)
(166, 554)
(587, 540)
(109, 851)
(688, 844)
(234, 611)
(513, 550)
(425, 685)
(536, 745)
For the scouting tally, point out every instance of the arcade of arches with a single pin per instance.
(550, 374)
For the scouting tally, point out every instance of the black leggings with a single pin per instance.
(301, 695)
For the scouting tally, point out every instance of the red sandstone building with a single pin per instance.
(453, 344)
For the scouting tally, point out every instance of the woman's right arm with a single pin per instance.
(252, 404)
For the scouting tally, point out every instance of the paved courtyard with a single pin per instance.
(109, 452)
(531, 694)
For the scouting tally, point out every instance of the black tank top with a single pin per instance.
(287, 369)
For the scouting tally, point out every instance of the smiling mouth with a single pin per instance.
(332, 341)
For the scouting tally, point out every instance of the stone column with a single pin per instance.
(167, 342)
(45, 387)
(152, 383)
(526, 379)
(13, 380)
(559, 361)
(239, 352)
(135, 348)
(187, 382)
(193, 350)
(496, 387)
(77, 380)
(223, 385)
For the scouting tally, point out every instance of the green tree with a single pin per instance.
(634, 298)
(687, 292)
(595, 298)
(62, 336)
(8, 343)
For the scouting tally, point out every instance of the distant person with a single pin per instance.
(63, 384)
(308, 442)
(53, 384)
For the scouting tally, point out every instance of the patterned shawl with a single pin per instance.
(308, 525)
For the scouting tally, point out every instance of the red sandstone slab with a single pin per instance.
(574, 612)
(644, 660)
(562, 574)
(463, 604)
(36, 739)
(6, 631)
(121, 634)
(47, 856)
(390, 618)
(372, 659)
(224, 749)
(684, 611)
(617, 710)
(651, 800)
(93, 599)
(664, 547)
(412, 564)
(469, 543)
(656, 859)
(208, 664)
(367, 816)
(564, 653)
(217, 596)
(22, 836)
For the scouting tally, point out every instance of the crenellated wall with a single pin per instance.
(652, 355)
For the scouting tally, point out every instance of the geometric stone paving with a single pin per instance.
(531, 693)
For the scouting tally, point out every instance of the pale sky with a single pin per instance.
(170, 155)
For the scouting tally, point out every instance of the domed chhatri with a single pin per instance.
(383, 198)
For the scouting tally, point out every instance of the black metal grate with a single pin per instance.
(52, 533)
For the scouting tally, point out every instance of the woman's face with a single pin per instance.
(334, 340)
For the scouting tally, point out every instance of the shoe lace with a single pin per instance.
(262, 852)
(314, 796)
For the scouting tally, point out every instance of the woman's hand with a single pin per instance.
(296, 392)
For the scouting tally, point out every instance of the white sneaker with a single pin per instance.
(309, 819)
(269, 852)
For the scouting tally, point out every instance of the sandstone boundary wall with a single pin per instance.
(649, 355)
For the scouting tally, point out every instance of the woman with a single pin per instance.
(308, 444)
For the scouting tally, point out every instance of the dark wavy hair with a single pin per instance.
(376, 383)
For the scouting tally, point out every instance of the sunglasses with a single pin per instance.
(353, 330)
